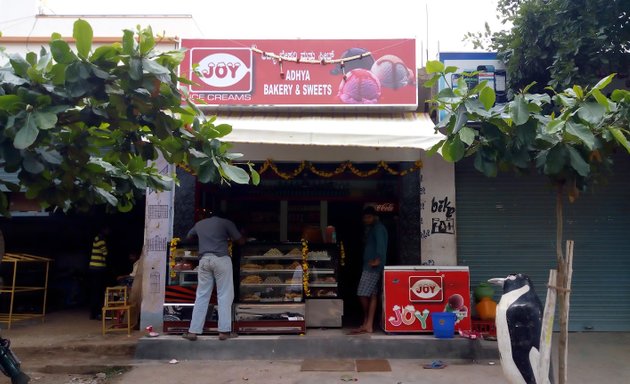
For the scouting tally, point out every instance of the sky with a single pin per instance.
(435, 24)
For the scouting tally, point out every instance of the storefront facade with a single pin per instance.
(281, 124)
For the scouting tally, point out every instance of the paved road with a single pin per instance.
(288, 372)
(67, 349)
(617, 371)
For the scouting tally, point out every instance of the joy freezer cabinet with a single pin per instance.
(270, 289)
(412, 293)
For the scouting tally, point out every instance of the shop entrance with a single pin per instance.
(346, 217)
(282, 209)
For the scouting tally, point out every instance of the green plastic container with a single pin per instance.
(483, 290)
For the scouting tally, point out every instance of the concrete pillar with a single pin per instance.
(437, 209)
(158, 229)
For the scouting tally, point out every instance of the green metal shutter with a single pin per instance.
(507, 224)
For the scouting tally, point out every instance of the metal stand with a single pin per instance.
(13, 288)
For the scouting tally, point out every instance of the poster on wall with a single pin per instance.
(334, 73)
(475, 67)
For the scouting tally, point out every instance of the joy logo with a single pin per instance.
(425, 288)
(223, 69)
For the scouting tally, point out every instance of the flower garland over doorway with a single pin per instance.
(270, 165)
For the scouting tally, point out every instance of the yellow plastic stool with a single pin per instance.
(117, 305)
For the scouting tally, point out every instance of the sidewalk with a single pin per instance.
(68, 347)
(594, 358)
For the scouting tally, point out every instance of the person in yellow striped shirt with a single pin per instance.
(97, 273)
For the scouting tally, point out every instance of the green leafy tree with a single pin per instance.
(568, 137)
(84, 127)
(560, 42)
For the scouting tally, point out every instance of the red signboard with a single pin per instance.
(334, 73)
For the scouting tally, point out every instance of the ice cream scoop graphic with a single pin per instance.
(392, 72)
(360, 87)
(454, 303)
(365, 62)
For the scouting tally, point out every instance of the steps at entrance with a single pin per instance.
(292, 347)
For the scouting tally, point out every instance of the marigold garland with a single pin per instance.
(186, 168)
(171, 256)
(287, 176)
(342, 254)
(305, 273)
(341, 168)
(360, 173)
(338, 171)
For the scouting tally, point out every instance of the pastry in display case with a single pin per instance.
(270, 289)
(322, 271)
(270, 273)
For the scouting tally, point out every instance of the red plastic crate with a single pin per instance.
(485, 327)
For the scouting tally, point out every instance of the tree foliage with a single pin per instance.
(561, 42)
(84, 126)
(567, 137)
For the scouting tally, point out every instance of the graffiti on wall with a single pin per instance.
(442, 216)
(442, 220)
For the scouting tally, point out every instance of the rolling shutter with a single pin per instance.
(507, 224)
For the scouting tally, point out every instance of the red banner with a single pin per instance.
(333, 73)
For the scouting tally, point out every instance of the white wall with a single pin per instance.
(437, 211)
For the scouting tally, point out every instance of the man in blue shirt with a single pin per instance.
(215, 265)
(374, 257)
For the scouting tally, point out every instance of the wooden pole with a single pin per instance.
(562, 339)
(547, 328)
(563, 373)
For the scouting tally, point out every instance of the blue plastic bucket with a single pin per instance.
(443, 324)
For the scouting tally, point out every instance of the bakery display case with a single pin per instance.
(182, 266)
(270, 318)
(323, 266)
(324, 308)
(281, 287)
(279, 282)
(270, 289)
(271, 273)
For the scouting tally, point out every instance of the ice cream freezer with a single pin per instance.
(412, 293)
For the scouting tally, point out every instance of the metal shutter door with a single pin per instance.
(507, 224)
